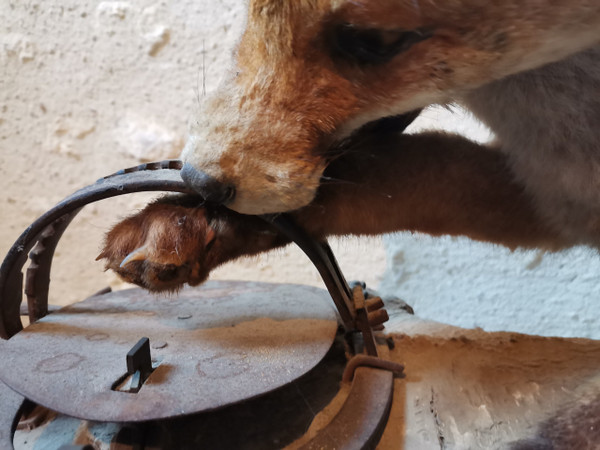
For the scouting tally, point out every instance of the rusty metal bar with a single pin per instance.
(322, 257)
(362, 419)
(362, 320)
(37, 276)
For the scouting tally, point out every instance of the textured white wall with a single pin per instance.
(89, 87)
(472, 284)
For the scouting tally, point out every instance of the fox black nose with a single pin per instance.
(211, 189)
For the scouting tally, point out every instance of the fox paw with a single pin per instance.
(161, 248)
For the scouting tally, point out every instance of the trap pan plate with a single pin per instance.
(218, 344)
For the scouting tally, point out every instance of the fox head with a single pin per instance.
(308, 73)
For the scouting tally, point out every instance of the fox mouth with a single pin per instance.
(304, 192)
(395, 124)
(356, 139)
(273, 188)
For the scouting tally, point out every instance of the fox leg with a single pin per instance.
(433, 183)
(380, 183)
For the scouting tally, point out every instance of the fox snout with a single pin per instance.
(211, 189)
(253, 172)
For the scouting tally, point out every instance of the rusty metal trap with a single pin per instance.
(229, 364)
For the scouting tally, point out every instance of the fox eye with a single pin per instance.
(371, 46)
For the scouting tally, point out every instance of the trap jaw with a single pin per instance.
(40, 239)
(359, 316)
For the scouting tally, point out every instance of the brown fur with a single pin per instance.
(271, 132)
(429, 192)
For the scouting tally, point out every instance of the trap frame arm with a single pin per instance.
(47, 230)
(40, 239)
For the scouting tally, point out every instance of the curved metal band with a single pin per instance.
(50, 226)
(360, 422)
(162, 176)
(322, 257)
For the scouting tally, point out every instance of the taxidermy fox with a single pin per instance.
(310, 122)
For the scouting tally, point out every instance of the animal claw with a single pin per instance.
(139, 254)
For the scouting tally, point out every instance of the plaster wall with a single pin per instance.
(89, 87)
